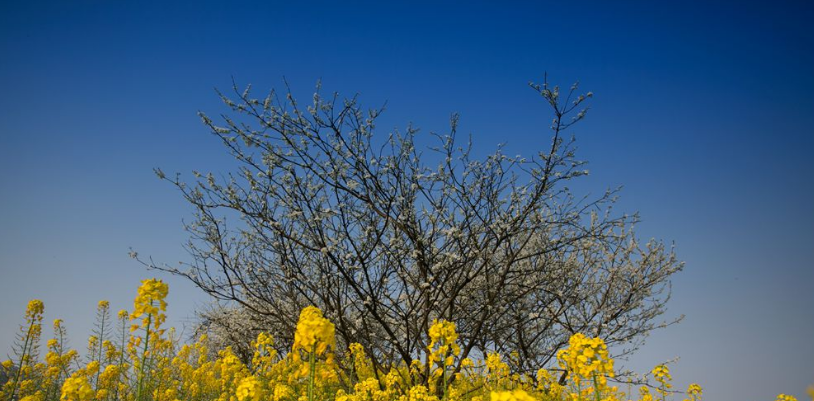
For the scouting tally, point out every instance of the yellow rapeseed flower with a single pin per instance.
(150, 299)
(314, 332)
(34, 310)
(443, 332)
(662, 375)
(281, 392)
(694, 391)
(418, 393)
(495, 365)
(586, 358)
(516, 395)
(786, 397)
(76, 388)
(249, 389)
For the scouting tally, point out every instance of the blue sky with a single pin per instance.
(704, 111)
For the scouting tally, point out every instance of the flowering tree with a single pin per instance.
(323, 212)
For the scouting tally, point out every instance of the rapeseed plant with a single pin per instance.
(145, 362)
(694, 392)
(443, 349)
(662, 375)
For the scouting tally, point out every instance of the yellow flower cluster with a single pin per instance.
(77, 389)
(694, 389)
(418, 393)
(442, 350)
(264, 353)
(360, 363)
(150, 365)
(785, 397)
(549, 384)
(443, 333)
(694, 392)
(314, 332)
(495, 366)
(443, 346)
(662, 375)
(249, 389)
(516, 395)
(34, 310)
(150, 303)
(586, 358)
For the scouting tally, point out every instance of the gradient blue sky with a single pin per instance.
(704, 111)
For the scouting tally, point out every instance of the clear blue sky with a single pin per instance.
(704, 111)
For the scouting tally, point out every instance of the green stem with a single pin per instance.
(312, 371)
(101, 338)
(444, 374)
(444, 370)
(121, 361)
(143, 358)
(596, 389)
(353, 371)
(55, 390)
(22, 362)
(576, 386)
(443, 364)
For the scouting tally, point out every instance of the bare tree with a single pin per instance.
(321, 211)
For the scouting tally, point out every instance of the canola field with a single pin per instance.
(134, 358)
